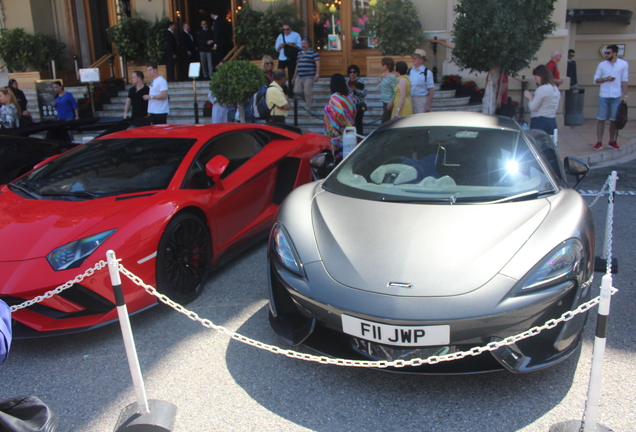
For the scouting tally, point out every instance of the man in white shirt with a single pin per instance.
(158, 105)
(612, 74)
(422, 83)
(289, 39)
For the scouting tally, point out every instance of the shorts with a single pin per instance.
(608, 106)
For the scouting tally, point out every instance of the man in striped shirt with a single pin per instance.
(307, 72)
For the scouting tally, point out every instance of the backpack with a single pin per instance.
(259, 105)
(621, 116)
(425, 73)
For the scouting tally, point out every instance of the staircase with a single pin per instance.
(182, 104)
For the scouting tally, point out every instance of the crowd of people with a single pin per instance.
(403, 90)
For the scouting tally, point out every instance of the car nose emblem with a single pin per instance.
(400, 285)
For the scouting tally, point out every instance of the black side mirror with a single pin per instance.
(322, 164)
(577, 168)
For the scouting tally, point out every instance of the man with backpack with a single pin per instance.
(275, 97)
(422, 84)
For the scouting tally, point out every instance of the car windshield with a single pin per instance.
(442, 164)
(107, 167)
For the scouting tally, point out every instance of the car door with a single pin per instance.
(240, 200)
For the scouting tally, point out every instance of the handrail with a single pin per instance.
(442, 43)
(102, 60)
(234, 52)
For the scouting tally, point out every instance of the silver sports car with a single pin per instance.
(440, 232)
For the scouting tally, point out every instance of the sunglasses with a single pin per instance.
(286, 29)
(352, 71)
(609, 52)
(269, 63)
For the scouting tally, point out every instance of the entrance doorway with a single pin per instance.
(340, 31)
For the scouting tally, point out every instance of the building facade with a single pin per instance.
(338, 29)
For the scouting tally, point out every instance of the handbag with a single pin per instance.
(290, 52)
(621, 116)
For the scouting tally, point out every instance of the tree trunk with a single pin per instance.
(489, 103)
(241, 112)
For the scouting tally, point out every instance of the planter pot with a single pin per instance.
(374, 63)
(162, 69)
(26, 80)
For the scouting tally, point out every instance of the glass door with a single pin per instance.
(340, 32)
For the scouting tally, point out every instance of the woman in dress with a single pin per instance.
(358, 91)
(388, 80)
(544, 102)
(267, 66)
(402, 105)
(11, 112)
(340, 111)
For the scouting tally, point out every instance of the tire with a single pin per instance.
(183, 258)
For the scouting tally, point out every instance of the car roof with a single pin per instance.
(196, 131)
(454, 119)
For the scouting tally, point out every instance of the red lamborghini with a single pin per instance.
(173, 202)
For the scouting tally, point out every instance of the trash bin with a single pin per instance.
(574, 106)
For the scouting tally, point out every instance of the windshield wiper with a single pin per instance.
(524, 196)
(26, 190)
(75, 194)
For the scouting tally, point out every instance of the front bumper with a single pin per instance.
(306, 313)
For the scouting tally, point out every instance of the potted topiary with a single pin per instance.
(235, 82)
(397, 31)
(21, 51)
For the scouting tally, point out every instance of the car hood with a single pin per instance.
(439, 250)
(33, 228)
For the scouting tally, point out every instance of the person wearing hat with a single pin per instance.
(422, 83)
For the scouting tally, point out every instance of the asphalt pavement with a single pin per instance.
(220, 384)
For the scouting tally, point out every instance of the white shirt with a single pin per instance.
(292, 37)
(420, 82)
(545, 101)
(157, 106)
(619, 70)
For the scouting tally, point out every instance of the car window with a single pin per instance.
(238, 148)
(109, 167)
(442, 164)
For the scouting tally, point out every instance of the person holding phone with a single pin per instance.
(612, 74)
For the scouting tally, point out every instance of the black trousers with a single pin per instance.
(158, 118)
(291, 69)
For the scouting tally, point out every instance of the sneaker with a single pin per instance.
(614, 146)
(598, 146)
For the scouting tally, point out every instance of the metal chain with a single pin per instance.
(492, 346)
(600, 194)
(79, 278)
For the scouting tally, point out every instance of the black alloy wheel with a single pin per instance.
(183, 258)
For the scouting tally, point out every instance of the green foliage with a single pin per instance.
(396, 27)
(130, 38)
(503, 34)
(19, 50)
(44, 47)
(236, 81)
(258, 30)
(14, 49)
(156, 42)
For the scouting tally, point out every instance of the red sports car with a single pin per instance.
(173, 202)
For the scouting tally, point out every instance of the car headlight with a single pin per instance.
(563, 263)
(283, 250)
(73, 254)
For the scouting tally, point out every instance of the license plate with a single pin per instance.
(404, 336)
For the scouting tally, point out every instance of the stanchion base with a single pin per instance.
(576, 426)
(600, 265)
(160, 418)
